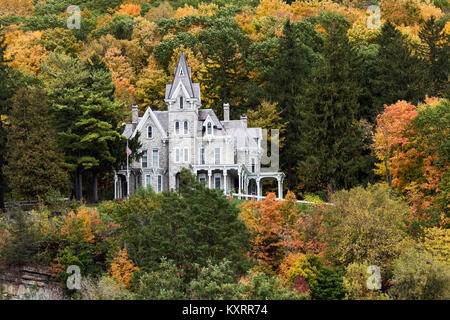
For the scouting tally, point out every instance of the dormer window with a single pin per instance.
(181, 102)
(186, 127)
(177, 127)
(209, 128)
(149, 132)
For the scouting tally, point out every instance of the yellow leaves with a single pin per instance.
(129, 9)
(122, 268)
(437, 242)
(245, 21)
(296, 265)
(164, 10)
(19, 7)
(151, 86)
(185, 11)
(360, 33)
(204, 9)
(25, 51)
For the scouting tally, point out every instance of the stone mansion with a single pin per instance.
(223, 154)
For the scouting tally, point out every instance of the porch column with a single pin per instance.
(280, 188)
(258, 187)
(225, 181)
(209, 178)
(240, 183)
(128, 184)
(115, 185)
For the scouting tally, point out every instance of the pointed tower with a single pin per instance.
(182, 87)
(183, 100)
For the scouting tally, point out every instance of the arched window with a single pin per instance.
(186, 127)
(209, 128)
(149, 132)
(177, 127)
(181, 102)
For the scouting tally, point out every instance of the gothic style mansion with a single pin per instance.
(223, 154)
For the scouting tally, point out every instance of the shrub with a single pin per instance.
(419, 276)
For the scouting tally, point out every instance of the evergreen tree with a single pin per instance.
(398, 73)
(286, 80)
(86, 114)
(101, 116)
(4, 92)
(435, 53)
(333, 150)
(34, 160)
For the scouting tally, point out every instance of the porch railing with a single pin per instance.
(254, 197)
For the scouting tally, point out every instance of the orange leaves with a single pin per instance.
(275, 227)
(122, 268)
(129, 9)
(80, 225)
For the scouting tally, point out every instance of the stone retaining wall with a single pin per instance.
(30, 283)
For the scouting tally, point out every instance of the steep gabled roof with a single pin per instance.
(183, 76)
(150, 114)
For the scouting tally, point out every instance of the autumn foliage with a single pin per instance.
(122, 268)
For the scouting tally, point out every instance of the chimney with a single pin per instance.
(244, 121)
(226, 112)
(134, 114)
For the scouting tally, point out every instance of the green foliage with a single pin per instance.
(398, 73)
(290, 72)
(180, 227)
(165, 283)
(419, 276)
(328, 284)
(366, 226)
(22, 241)
(33, 156)
(435, 53)
(333, 148)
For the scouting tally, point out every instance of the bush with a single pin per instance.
(104, 288)
(419, 276)
(366, 226)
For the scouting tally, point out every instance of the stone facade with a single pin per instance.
(224, 154)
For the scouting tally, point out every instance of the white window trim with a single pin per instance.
(253, 160)
(177, 153)
(142, 159)
(186, 155)
(186, 129)
(200, 155)
(158, 187)
(212, 129)
(220, 155)
(149, 126)
(150, 183)
(153, 165)
(175, 127)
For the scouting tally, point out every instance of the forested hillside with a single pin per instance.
(362, 105)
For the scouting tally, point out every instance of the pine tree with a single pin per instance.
(34, 160)
(434, 50)
(3, 112)
(82, 96)
(101, 116)
(332, 148)
(398, 72)
(286, 81)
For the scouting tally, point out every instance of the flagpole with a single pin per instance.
(128, 175)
